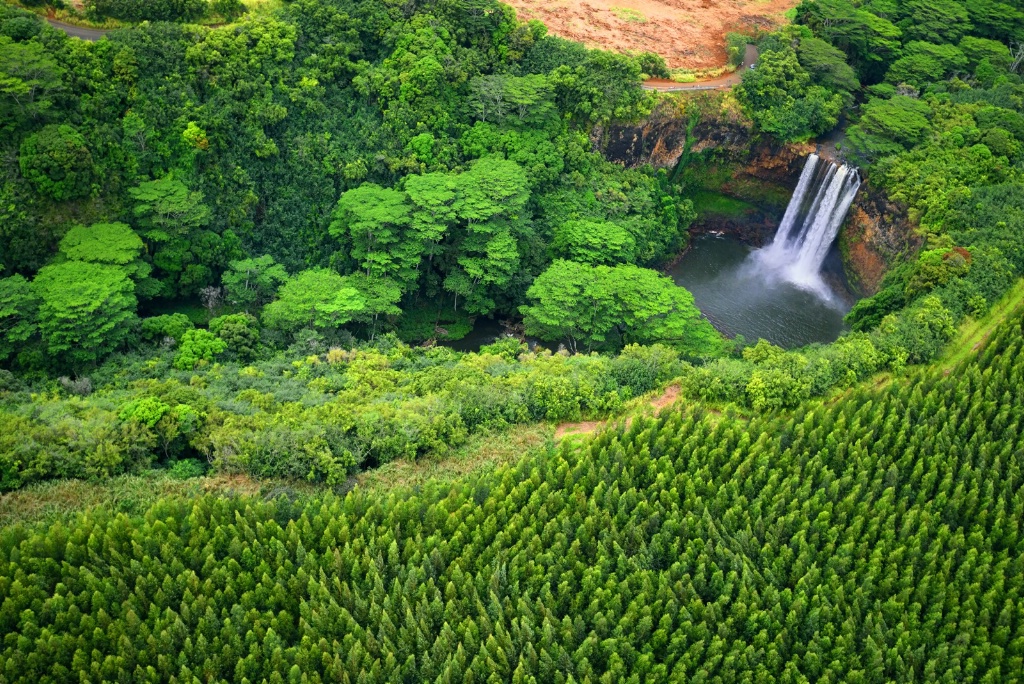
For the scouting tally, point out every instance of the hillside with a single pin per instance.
(687, 33)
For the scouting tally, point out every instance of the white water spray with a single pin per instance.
(823, 195)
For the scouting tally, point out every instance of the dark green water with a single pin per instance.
(740, 297)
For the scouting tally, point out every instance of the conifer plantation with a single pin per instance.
(872, 538)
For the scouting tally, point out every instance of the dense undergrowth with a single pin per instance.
(320, 418)
(875, 537)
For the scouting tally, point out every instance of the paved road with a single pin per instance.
(78, 31)
(723, 83)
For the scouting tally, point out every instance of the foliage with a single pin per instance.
(240, 334)
(18, 314)
(197, 348)
(252, 283)
(316, 298)
(57, 162)
(151, 10)
(598, 306)
(816, 546)
(591, 242)
(779, 97)
(173, 326)
(86, 310)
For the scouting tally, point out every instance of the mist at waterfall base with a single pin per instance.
(778, 292)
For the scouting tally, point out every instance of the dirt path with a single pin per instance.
(659, 402)
(726, 82)
(78, 31)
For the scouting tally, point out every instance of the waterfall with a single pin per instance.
(819, 204)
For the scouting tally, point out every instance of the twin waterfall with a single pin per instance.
(822, 197)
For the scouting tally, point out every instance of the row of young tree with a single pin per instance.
(869, 539)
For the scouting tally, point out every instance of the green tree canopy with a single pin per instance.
(595, 306)
(198, 347)
(373, 221)
(888, 127)
(18, 311)
(251, 283)
(827, 66)
(57, 161)
(779, 96)
(86, 310)
(933, 21)
(29, 80)
(102, 243)
(316, 298)
(168, 208)
(594, 242)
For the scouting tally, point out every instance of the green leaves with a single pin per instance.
(778, 95)
(197, 348)
(251, 283)
(594, 306)
(168, 207)
(690, 546)
(57, 161)
(317, 298)
(103, 243)
(85, 310)
(593, 242)
(18, 311)
(29, 80)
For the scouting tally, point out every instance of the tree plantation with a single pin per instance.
(354, 290)
(874, 538)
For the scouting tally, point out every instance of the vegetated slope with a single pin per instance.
(873, 538)
(687, 33)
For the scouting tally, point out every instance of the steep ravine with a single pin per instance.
(723, 158)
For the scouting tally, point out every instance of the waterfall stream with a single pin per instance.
(819, 204)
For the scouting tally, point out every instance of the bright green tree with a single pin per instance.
(251, 283)
(373, 221)
(166, 207)
(115, 244)
(198, 347)
(592, 306)
(316, 298)
(29, 80)
(85, 310)
(594, 242)
(779, 96)
(18, 310)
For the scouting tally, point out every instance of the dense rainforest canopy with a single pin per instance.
(221, 247)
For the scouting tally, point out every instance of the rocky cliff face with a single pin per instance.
(674, 127)
(875, 236)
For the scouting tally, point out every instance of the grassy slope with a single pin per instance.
(974, 333)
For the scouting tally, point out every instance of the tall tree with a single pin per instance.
(86, 310)
(251, 283)
(317, 298)
(18, 312)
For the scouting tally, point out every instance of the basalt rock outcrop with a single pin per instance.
(875, 237)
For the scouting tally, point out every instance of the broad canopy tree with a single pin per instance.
(592, 307)
(86, 310)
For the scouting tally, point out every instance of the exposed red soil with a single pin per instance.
(689, 34)
(659, 402)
